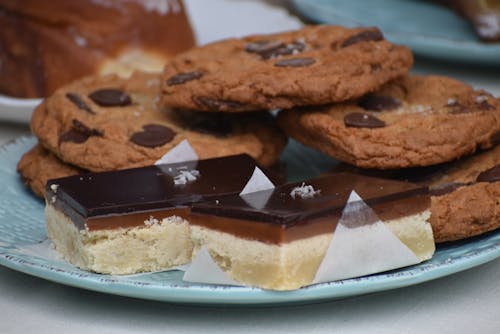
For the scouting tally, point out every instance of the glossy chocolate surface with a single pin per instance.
(149, 188)
(279, 207)
(419, 175)
(434, 176)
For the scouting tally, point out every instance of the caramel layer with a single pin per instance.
(282, 218)
(265, 231)
(122, 220)
(127, 198)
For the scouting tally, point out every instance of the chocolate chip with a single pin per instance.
(295, 62)
(270, 49)
(379, 102)
(445, 188)
(219, 128)
(181, 78)
(79, 126)
(78, 101)
(495, 139)
(110, 97)
(79, 133)
(375, 67)
(461, 109)
(217, 124)
(264, 47)
(73, 136)
(484, 105)
(364, 36)
(216, 105)
(490, 175)
(153, 135)
(292, 48)
(362, 120)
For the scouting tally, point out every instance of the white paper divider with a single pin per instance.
(183, 267)
(180, 153)
(44, 250)
(257, 201)
(203, 269)
(362, 245)
(257, 182)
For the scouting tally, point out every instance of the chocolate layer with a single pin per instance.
(419, 175)
(437, 177)
(96, 197)
(277, 216)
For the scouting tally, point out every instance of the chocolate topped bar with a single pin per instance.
(94, 200)
(298, 205)
(303, 233)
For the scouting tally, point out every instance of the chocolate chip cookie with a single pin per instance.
(39, 165)
(311, 66)
(465, 198)
(108, 123)
(415, 121)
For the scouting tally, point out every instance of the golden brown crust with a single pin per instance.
(329, 64)
(466, 212)
(38, 165)
(439, 120)
(469, 210)
(467, 170)
(46, 44)
(112, 148)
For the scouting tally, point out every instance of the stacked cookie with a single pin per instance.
(345, 92)
(108, 123)
(417, 127)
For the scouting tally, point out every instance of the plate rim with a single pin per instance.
(462, 50)
(229, 295)
(203, 294)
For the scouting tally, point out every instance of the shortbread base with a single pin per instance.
(294, 264)
(147, 248)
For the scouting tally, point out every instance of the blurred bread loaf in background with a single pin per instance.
(45, 44)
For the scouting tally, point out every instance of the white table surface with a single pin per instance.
(466, 302)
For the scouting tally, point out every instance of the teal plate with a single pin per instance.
(428, 29)
(22, 223)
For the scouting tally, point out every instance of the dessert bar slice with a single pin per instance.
(277, 239)
(134, 220)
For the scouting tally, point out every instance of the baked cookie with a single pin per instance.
(108, 123)
(415, 121)
(465, 193)
(314, 65)
(38, 165)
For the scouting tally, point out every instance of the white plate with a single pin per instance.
(211, 20)
(17, 110)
